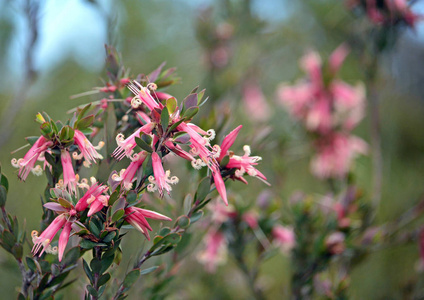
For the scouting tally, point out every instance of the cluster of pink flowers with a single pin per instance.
(164, 140)
(387, 12)
(330, 109)
(165, 128)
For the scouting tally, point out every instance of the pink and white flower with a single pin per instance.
(137, 218)
(69, 179)
(87, 149)
(161, 179)
(126, 146)
(127, 176)
(27, 164)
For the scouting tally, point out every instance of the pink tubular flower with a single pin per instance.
(215, 252)
(335, 155)
(69, 179)
(137, 218)
(142, 95)
(96, 204)
(219, 183)
(93, 192)
(244, 164)
(178, 150)
(161, 179)
(87, 149)
(229, 141)
(284, 237)
(127, 176)
(27, 163)
(64, 220)
(125, 147)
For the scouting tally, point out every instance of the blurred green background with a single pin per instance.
(258, 40)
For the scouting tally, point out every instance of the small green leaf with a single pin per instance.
(39, 118)
(3, 196)
(171, 104)
(131, 278)
(191, 112)
(32, 139)
(84, 122)
(118, 215)
(72, 256)
(183, 222)
(188, 200)
(95, 265)
(200, 96)
(4, 182)
(164, 118)
(83, 111)
(31, 264)
(109, 237)
(164, 231)
(202, 190)
(224, 162)
(106, 262)
(190, 101)
(175, 125)
(87, 244)
(93, 228)
(92, 291)
(143, 145)
(148, 270)
(103, 279)
(87, 270)
(196, 216)
(64, 203)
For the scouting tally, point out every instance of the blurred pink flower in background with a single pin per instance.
(329, 108)
(284, 238)
(215, 251)
(255, 103)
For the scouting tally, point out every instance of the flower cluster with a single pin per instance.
(166, 128)
(330, 109)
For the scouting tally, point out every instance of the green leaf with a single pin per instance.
(8, 238)
(183, 221)
(106, 263)
(93, 228)
(200, 96)
(95, 265)
(3, 196)
(224, 162)
(32, 139)
(4, 182)
(188, 201)
(92, 291)
(103, 279)
(175, 125)
(164, 231)
(118, 215)
(191, 112)
(31, 264)
(202, 190)
(164, 118)
(64, 203)
(72, 256)
(39, 118)
(143, 145)
(54, 127)
(21, 297)
(87, 244)
(109, 237)
(171, 104)
(46, 129)
(84, 122)
(17, 251)
(83, 111)
(87, 270)
(131, 278)
(148, 270)
(196, 216)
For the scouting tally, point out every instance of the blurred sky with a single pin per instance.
(76, 28)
